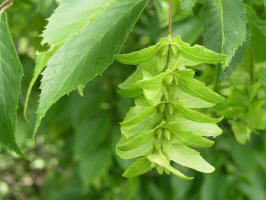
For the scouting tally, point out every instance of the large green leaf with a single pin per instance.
(189, 29)
(10, 84)
(224, 26)
(88, 53)
(70, 17)
(240, 130)
(94, 165)
(235, 29)
(90, 133)
(258, 42)
(213, 25)
(188, 4)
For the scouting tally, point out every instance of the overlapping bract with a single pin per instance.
(162, 126)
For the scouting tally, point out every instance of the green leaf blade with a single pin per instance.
(10, 84)
(80, 58)
(73, 15)
(235, 29)
(188, 4)
(225, 27)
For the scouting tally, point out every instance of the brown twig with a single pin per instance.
(169, 32)
(6, 4)
(170, 16)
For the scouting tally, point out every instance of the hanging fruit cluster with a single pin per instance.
(163, 127)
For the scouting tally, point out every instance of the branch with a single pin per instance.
(6, 4)
(170, 16)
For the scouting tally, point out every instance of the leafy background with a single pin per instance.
(73, 155)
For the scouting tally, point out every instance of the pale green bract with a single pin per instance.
(10, 84)
(162, 126)
(90, 34)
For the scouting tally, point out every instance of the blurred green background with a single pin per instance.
(73, 156)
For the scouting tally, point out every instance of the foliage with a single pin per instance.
(73, 155)
(10, 78)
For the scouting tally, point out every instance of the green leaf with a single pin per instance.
(10, 85)
(189, 158)
(90, 133)
(196, 54)
(261, 24)
(139, 167)
(236, 60)
(188, 4)
(235, 27)
(258, 42)
(240, 130)
(41, 61)
(94, 165)
(80, 13)
(253, 91)
(256, 117)
(160, 160)
(212, 21)
(189, 29)
(225, 32)
(85, 55)
(260, 72)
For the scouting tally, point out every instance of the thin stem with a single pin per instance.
(168, 58)
(6, 4)
(169, 32)
(251, 65)
(3, 4)
(170, 16)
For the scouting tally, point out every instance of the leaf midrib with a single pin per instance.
(96, 41)
(83, 25)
